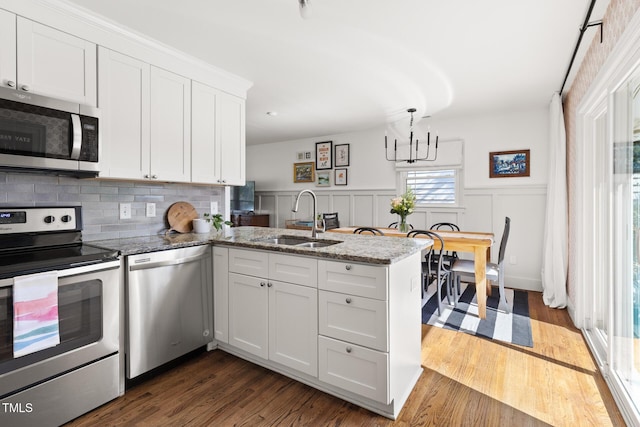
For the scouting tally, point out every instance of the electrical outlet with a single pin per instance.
(214, 208)
(151, 210)
(125, 210)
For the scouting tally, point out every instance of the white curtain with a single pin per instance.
(554, 257)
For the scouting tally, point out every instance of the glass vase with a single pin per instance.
(403, 227)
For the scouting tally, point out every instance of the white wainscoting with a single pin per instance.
(484, 210)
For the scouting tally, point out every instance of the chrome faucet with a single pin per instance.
(315, 213)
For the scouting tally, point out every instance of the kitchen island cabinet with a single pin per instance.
(351, 329)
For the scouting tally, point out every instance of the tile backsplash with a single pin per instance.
(100, 201)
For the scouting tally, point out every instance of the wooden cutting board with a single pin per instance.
(180, 215)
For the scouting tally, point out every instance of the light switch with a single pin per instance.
(151, 210)
(214, 208)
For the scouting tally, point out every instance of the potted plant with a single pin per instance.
(203, 225)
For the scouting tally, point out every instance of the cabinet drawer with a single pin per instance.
(293, 269)
(252, 263)
(354, 279)
(353, 368)
(354, 319)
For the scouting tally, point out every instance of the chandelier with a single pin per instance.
(415, 155)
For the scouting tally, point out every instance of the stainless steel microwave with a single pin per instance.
(49, 135)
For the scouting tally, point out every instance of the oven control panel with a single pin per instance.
(39, 219)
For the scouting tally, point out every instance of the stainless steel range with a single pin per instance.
(58, 362)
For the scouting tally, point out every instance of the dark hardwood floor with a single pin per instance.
(467, 381)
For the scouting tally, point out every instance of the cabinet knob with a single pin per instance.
(348, 300)
(347, 267)
(154, 176)
(25, 88)
(262, 284)
(224, 181)
(269, 284)
(348, 349)
(147, 176)
(11, 83)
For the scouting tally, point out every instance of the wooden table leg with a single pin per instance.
(480, 261)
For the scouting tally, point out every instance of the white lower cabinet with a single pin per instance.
(293, 326)
(355, 319)
(354, 328)
(249, 314)
(221, 294)
(273, 319)
(354, 368)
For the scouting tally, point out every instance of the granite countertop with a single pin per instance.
(357, 248)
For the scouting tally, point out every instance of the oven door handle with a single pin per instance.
(74, 271)
(76, 128)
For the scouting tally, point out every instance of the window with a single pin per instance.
(432, 187)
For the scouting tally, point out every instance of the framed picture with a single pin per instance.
(324, 155)
(303, 172)
(508, 164)
(323, 179)
(341, 155)
(340, 177)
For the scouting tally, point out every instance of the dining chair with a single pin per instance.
(494, 272)
(449, 256)
(395, 225)
(371, 230)
(331, 220)
(434, 268)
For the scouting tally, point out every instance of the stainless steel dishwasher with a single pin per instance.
(169, 300)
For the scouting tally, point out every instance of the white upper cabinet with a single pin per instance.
(124, 87)
(205, 160)
(145, 122)
(8, 68)
(170, 126)
(230, 133)
(217, 136)
(49, 62)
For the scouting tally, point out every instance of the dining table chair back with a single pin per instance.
(435, 269)
(371, 230)
(445, 226)
(331, 220)
(494, 272)
(450, 256)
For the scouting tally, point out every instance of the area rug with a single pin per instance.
(513, 327)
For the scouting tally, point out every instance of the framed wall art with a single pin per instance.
(303, 172)
(323, 178)
(509, 164)
(340, 177)
(324, 154)
(341, 155)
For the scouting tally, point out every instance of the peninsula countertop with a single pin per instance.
(356, 248)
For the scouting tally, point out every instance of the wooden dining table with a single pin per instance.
(477, 243)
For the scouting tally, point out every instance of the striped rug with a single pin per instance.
(513, 327)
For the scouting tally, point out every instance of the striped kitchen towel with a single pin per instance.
(35, 313)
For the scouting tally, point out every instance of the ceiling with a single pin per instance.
(358, 64)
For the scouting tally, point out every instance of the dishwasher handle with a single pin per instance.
(167, 263)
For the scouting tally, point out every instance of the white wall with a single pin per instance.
(372, 181)
(271, 165)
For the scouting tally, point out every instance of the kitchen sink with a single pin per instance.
(299, 241)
